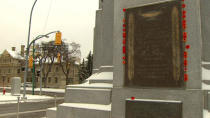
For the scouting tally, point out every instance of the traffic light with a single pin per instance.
(58, 57)
(30, 63)
(58, 38)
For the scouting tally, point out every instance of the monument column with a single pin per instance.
(104, 43)
(153, 82)
(205, 18)
(97, 43)
(107, 34)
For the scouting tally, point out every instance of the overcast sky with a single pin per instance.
(74, 18)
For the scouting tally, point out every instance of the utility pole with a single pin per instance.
(33, 74)
(26, 64)
(41, 78)
(27, 53)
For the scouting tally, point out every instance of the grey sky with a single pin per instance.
(74, 18)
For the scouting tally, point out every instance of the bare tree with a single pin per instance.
(48, 52)
(68, 54)
(45, 56)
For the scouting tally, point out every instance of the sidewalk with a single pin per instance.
(45, 91)
(8, 98)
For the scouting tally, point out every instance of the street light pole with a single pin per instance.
(33, 74)
(41, 78)
(27, 53)
(26, 64)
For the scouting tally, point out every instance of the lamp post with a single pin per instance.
(27, 53)
(26, 64)
(33, 74)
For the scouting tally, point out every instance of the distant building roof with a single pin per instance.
(14, 54)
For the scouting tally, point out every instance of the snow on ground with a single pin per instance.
(43, 89)
(206, 114)
(88, 106)
(205, 77)
(205, 62)
(92, 85)
(205, 74)
(104, 76)
(205, 86)
(48, 90)
(8, 98)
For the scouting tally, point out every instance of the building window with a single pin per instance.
(8, 80)
(22, 69)
(8, 70)
(0, 70)
(18, 70)
(49, 79)
(56, 80)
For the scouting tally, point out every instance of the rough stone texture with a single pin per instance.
(192, 100)
(205, 28)
(88, 95)
(69, 110)
(16, 84)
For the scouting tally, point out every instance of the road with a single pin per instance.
(28, 109)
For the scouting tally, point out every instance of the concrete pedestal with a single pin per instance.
(16, 84)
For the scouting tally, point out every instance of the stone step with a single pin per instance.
(103, 77)
(93, 85)
(78, 110)
(51, 112)
(88, 95)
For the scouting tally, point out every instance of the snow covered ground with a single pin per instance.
(205, 74)
(8, 98)
(205, 77)
(43, 89)
(206, 114)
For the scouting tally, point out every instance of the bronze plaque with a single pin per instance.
(154, 46)
(153, 109)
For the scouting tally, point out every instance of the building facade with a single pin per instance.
(12, 65)
(56, 78)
